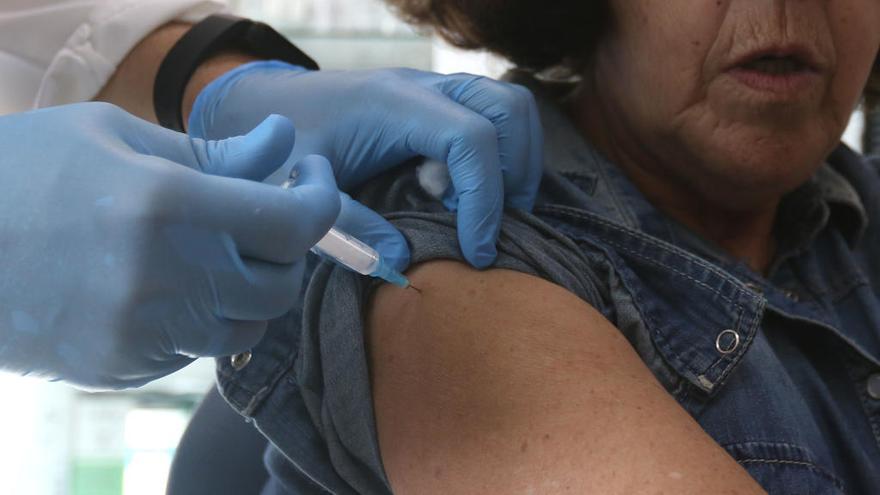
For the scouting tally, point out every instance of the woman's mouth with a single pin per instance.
(783, 74)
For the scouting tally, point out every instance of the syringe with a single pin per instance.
(344, 249)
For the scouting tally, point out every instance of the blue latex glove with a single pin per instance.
(121, 258)
(487, 132)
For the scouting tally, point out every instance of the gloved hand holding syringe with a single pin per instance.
(349, 252)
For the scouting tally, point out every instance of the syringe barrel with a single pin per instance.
(348, 251)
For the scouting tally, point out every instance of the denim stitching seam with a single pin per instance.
(641, 236)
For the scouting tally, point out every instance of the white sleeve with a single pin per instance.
(63, 51)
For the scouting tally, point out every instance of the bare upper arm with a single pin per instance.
(500, 382)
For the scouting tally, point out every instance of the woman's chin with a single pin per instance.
(756, 170)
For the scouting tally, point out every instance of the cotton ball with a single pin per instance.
(434, 178)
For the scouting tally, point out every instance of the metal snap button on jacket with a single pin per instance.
(727, 341)
(874, 386)
(239, 361)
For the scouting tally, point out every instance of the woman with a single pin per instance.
(690, 309)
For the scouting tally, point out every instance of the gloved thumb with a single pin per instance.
(253, 156)
(368, 226)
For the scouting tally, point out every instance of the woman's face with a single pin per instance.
(745, 95)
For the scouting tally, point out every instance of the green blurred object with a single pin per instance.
(97, 477)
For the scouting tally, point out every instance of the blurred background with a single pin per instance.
(59, 441)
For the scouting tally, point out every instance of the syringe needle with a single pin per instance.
(413, 287)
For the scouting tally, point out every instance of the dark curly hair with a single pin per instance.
(533, 34)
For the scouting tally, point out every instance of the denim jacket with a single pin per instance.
(782, 371)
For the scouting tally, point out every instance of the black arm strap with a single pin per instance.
(215, 34)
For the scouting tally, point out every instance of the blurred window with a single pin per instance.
(344, 34)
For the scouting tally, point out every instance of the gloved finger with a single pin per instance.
(269, 223)
(514, 113)
(253, 156)
(257, 291)
(532, 182)
(219, 336)
(468, 143)
(192, 323)
(371, 228)
(219, 281)
(525, 186)
(168, 366)
(120, 376)
(480, 198)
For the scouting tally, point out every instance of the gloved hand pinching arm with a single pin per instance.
(128, 249)
(487, 132)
